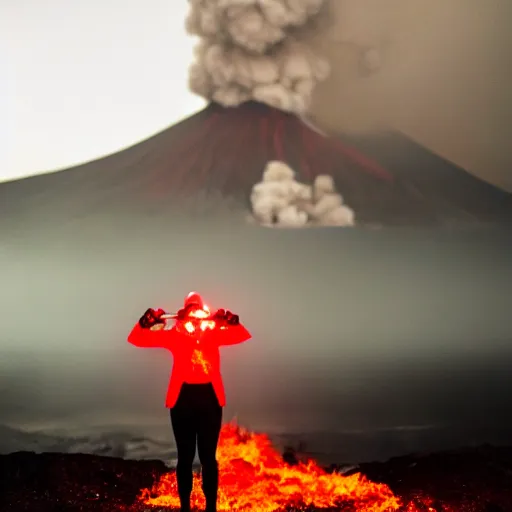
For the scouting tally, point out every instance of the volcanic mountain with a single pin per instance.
(221, 152)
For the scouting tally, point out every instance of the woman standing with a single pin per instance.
(195, 395)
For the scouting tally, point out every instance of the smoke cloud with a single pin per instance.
(255, 50)
(394, 62)
(436, 70)
(281, 201)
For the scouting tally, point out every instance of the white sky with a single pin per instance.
(82, 79)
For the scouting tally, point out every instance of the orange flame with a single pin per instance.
(254, 477)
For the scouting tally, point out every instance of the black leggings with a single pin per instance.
(197, 418)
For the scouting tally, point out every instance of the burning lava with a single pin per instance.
(254, 477)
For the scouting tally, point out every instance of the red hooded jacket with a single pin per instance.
(196, 354)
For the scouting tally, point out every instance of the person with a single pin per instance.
(195, 395)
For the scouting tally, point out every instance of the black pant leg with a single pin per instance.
(184, 425)
(207, 439)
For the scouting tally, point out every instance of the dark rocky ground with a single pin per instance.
(469, 480)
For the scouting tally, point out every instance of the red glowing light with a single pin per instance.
(194, 342)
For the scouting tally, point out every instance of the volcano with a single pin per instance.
(220, 151)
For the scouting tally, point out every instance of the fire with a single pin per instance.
(254, 478)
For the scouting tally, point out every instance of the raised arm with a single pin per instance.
(146, 338)
(233, 335)
(145, 335)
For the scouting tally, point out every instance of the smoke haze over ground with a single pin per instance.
(358, 331)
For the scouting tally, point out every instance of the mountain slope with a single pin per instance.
(222, 151)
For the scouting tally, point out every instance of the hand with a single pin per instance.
(232, 319)
(151, 318)
(226, 317)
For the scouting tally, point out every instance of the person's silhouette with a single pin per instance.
(195, 395)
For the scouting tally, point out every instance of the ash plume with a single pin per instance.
(436, 70)
(279, 200)
(256, 50)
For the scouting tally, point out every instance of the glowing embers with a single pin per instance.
(198, 361)
(254, 478)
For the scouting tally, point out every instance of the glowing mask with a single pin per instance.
(199, 320)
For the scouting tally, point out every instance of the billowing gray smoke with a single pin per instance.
(281, 201)
(256, 50)
(437, 70)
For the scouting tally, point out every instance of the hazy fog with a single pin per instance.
(441, 73)
(351, 330)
